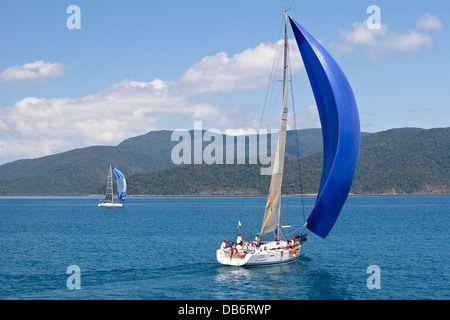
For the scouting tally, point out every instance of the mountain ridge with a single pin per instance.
(395, 161)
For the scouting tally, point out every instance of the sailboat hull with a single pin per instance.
(269, 253)
(110, 204)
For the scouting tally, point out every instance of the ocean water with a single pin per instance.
(163, 248)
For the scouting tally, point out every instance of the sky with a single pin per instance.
(111, 70)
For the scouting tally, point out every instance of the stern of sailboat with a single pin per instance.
(273, 252)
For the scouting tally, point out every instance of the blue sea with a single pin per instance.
(163, 248)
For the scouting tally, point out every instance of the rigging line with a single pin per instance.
(265, 104)
(297, 142)
(274, 63)
(295, 231)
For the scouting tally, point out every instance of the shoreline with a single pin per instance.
(217, 195)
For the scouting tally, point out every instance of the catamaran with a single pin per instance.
(121, 182)
(341, 138)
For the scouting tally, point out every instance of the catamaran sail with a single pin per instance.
(121, 189)
(341, 136)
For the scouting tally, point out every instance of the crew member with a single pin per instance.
(258, 240)
(239, 239)
(223, 246)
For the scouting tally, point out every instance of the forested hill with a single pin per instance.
(396, 161)
(405, 160)
(83, 171)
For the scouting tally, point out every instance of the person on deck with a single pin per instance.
(223, 246)
(293, 249)
(239, 239)
(289, 244)
(258, 240)
(251, 247)
(245, 247)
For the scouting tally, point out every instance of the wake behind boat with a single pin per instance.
(121, 182)
(341, 137)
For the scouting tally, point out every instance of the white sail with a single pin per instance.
(272, 216)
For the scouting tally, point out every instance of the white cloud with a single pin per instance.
(430, 23)
(35, 127)
(410, 42)
(246, 70)
(310, 118)
(19, 148)
(37, 70)
(379, 43)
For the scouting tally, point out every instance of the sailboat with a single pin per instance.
(341, 138)
(121, 182)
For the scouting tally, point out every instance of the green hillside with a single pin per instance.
(83, 171)
(203, 179)
(408, 160)
(397, 161)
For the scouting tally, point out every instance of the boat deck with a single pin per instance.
(274, 252)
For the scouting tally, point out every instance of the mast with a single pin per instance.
(272, 217)
(283, 126)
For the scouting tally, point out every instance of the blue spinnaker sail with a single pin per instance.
(121, 184)
(340, 130)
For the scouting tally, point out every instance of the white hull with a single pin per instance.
(267, 254)
(110, 204)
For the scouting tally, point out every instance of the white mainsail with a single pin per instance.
(272, 216)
